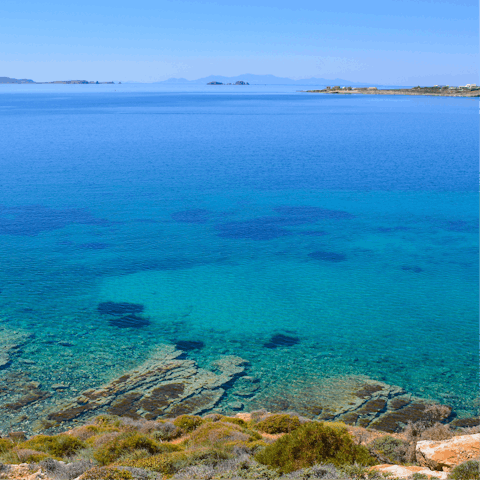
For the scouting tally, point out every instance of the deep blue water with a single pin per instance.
(348, 224)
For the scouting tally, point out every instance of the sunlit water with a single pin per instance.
(347, 224)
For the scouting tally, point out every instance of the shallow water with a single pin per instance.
(314, 236)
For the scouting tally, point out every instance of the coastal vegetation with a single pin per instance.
(259, 445)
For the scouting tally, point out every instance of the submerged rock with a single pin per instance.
(129, 321)
(188, 345)
(281, 340)
(119, 308)
(10, 343)
(328, 256)
(165, 385)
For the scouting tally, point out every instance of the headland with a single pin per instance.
(469, 90)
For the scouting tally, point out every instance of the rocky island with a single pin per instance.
(240, 82)
(61, 82)
(469, 90)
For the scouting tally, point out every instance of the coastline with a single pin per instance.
(474, 93)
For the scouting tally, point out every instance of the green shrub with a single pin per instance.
(107, 420)
(466, 471)
(168, 464)
(419, 476)
(188, 423)
(107, 473)
(5, 445)
(236, 421)
(216, 434)
(58, 445)
(313, 443)
(278, 424)
(127, 443)
(392, 448)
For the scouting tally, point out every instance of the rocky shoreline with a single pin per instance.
(170, 383)
(431, 92)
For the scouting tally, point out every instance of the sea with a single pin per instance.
(316, 236)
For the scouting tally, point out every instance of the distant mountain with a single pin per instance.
(15, 80)
(264, 80)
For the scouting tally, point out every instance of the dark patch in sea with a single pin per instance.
(129, 321)
(121, 308)
(413, 268)
(280, 340)
(393, 229)
(314, 233)
(264, 228)
(32, 220)
(327, 256)
(189, 345)
(312, 214)
(196, 215)
(93, 246)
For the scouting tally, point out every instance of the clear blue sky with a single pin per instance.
(388, 42)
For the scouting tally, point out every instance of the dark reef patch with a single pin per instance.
(280, 340)
(196, 215)
(312, 214)
(328, 256)
(32, 220)
(264, 228)
(393, 229)
(129, 321)
(313, 233)
(93, 246)
(121, 308)
(413, 268)
(189, 345)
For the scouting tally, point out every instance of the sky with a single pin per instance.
(420, 42)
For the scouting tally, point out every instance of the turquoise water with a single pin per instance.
(349, 225)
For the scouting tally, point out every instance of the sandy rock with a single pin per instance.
(21, 472)
(438, 455)
(401, 471)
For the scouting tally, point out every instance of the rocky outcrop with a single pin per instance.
(401, 471)
(445, 454)
(355, 400)
(165, 385)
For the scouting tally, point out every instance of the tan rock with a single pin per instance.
(401, 471)
(438, 455)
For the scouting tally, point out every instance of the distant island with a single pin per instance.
(253, 79)
(239, 82)
(469, 90)
(61, 82)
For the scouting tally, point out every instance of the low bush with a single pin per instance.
(188, 423)
(218, 433)
(58, 445)
(466, 471)
(107, 473)
(313, 443)
(127, 443)
(234, 420)
(388, 449)
(437, 432)
(64, 471)
(168, 464)
(5, 445)
(166, 431)
(278, 424)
